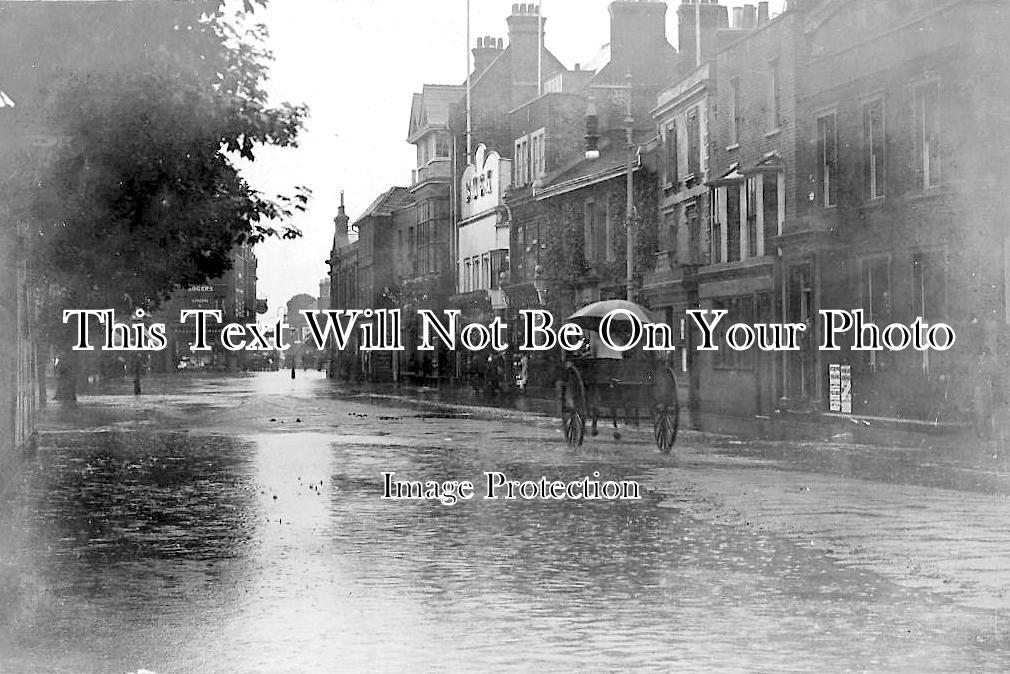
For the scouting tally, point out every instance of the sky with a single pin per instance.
(356, 63)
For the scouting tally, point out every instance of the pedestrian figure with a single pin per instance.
(138, 367)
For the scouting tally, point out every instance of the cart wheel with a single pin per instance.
(666, 413)
(573, 409)
(665, 428)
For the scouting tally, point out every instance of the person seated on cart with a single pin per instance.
(603, 363)
(598, 348)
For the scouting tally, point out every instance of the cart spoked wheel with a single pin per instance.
(573, 409)
(666, 410)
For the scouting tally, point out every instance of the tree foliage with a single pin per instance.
(141, 194)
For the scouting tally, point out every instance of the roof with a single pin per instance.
(730, 176)
(549, 64)
(580, 172)
(431, 107)
(662, 71)
(599, 59)
(771, 163)
(391, 200)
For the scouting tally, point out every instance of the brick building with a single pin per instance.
(683, 116)
(505, 75)
(368, 274)
(840, 155)
(568, 208)
(233, 294)
(344, 291)
(898, 211)
(752, 163)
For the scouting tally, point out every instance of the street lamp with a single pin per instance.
(629, 215)
(593, 152)
(592, 129)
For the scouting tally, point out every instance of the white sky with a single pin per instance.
(356, 64)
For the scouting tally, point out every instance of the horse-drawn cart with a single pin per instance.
(631, 386)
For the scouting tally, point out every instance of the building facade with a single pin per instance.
(897, 212)
(838, 156)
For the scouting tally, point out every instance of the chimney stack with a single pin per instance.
(711, 16)
(524, 41)
(637, 30)
(749, 17)
(485, 52)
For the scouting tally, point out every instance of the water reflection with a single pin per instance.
(273, 552)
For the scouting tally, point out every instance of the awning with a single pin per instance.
(770, 164)
(730, 177)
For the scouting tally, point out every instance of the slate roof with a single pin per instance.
(431, 107)
(391, 200)
(581, 171)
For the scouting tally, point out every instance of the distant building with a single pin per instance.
(324, 294)
(302, 351)
(233, 294)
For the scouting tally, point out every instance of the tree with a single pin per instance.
(141, 196)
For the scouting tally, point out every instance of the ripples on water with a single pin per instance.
(182, 553)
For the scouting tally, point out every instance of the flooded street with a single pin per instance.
(238, 525)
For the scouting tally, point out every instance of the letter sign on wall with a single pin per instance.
(483, 182)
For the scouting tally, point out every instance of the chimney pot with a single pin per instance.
(762, 13)
(738, 17)
(480, 42)
(749, 16)
(515, 9)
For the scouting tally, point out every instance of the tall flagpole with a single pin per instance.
(540, 48)
(697, 33)
(468, 129)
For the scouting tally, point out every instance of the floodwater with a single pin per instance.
(251, 536)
